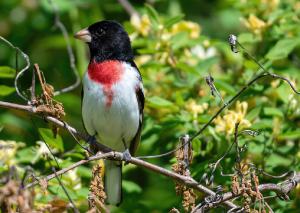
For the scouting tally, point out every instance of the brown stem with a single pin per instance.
(281, 189)
(188, 181)
(128, 7)
(113, 155)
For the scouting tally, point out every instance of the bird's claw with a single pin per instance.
(126, 156)
(92, 141)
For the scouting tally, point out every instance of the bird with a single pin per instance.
(112, 97)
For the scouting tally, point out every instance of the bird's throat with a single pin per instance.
(107, 73)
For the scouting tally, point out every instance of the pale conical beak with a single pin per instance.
(84, 35)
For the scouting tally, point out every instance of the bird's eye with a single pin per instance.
(100, 33)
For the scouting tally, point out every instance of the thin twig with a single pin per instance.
(32, 89)
(226, 105)
(128, 7)
(19, 74)
(114, 155)
(281, 189)
(236, 142)
(76, 139)
(214, 166)
(157, 169)
(32, 110)
(233, 43)
(64, 189)
(213, 89)
(64, 32)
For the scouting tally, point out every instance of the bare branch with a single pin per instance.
(64, 32)
(281, 189)
(32, 110)
(225, 106)
(64, 189)
(128, 7)
(157, 169)
(111, 155)
(32, 89)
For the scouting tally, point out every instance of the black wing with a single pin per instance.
(141, 102)
(82, 94)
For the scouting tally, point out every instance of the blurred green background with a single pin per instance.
(177, 43)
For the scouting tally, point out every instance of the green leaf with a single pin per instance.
(206, 64)
(158, 102)
(256, 148)
(84, 172)
(271, 111)
(173, 20)
(180, 40)
(26, 155)
(283, 48)
(247, 38)
(292, 135)
(275, 160)
(62, 5)
(7, 72)
(186, 68)
(55, 142)
(153, 15)
(263, 124)
(222, 85)
(5, 90)
(82, 193)
(253, 113)
(131, 187)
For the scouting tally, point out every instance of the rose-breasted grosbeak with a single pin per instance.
(113, 98)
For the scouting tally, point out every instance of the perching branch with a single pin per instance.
(111, 155)
(118, 156)
(32, 110)
(188, 181)
(281, 189)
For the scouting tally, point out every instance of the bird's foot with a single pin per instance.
(92, 147)
(126, 156)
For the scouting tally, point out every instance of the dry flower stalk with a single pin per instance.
(247, 183)
(15, 199)
(184, 157)
(97, 194)
(45, 104)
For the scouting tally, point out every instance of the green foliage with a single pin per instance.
(5, 90)
(7, 72)
(176, 43)
(283, 48)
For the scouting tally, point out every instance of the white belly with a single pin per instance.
(117, 123)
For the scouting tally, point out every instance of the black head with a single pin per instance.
(107, 40)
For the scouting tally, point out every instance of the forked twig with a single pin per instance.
(64, 32)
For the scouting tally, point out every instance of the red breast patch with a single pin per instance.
(106, 73)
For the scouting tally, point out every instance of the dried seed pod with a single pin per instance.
(232, 39)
